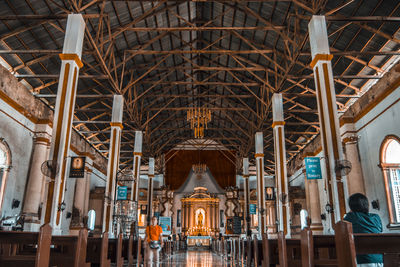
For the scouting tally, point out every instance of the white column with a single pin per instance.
(314, 206)
(150, 190)
(63, 116)
(281, 182)
(137, 155)
(259, 143)
(355, 179)
(246, 213)
(328, 116)
(78, 214)
(113, 162)
(36, 180)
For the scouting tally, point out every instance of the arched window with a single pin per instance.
(390, 163)
(5, 165)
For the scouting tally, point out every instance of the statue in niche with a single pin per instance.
(200, 219)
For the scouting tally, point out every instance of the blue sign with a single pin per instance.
(313, 168)
(165, 223)
(122, 192)
(252, 209)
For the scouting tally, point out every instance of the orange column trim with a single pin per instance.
(73, 57)
(319, 57)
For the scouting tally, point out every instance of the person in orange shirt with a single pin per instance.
(153, 243)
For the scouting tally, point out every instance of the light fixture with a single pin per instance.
(199, 168)
(198, 118)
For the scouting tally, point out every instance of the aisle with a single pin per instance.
(195, 259)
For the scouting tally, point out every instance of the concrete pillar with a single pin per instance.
(217, 215)
(191, 215)
(36, 181)
(150, 190)
(271, 221)
(78, 209)
(137, 155)
(260, 182)
(355, 179)
(63, 116)
(246, 213)
(113, 162)
(314, 206)
(328, 116)
(281, 181)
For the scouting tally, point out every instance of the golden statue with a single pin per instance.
(200, 219)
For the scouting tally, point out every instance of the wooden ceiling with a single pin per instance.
(229, 56)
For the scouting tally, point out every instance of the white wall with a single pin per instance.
(17, 132)
(372, 131)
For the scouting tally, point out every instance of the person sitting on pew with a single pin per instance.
(364, 222)
(153, 243)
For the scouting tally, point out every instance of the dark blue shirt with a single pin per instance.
(366, 223)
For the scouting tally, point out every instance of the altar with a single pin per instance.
(200, 213)
(199, 241)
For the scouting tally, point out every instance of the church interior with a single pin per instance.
(257, 132)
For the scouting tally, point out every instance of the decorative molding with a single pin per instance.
(73, 57)
(318, 57)
(278, 123)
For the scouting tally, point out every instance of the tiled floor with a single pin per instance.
(196, 259)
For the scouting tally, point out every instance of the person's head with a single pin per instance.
(358, 203)
(154, 220)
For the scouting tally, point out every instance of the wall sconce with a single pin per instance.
(375, 204)
(329, 208)
(62, 206)
(15, 203)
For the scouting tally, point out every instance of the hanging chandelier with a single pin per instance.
(199, 168)
(198, 118)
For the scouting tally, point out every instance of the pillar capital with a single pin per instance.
(350, 140)
(41, 138)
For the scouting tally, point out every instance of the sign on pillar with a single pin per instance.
(328, 116)
(63, 116)
(137, 155)
(150, 190)
(282, 203)
(260, 182)
(113, 161)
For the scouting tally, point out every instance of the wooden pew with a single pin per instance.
(97, 251)
(317, 249)
(25, 248)
(115, 251)
(139, 252)
(353, 244)
(69, 251)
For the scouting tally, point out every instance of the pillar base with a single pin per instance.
(31, 222)
(317, 228)
(32, 226)
(74, 231)
(57, 231)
